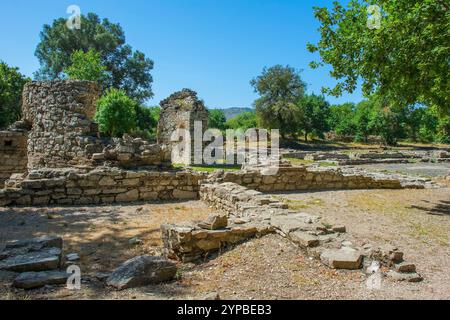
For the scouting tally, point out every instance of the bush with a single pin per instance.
(116, 113)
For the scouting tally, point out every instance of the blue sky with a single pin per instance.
(214, 47)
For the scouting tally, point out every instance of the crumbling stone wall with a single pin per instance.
(102, 185)
(13, 154)
(62, 131)
(180, 111)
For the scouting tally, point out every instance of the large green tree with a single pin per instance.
(406, 59)
(313, 115)
(126, 69)
(279, 89)
(11, 86)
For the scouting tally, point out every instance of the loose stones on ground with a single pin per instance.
(141, 271)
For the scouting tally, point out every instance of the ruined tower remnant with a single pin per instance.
(62, 131)
(13, 153)
(180, 111)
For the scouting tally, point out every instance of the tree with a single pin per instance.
(85, 66)
(217, 119)
(146, 121)
(361, 120)
(244, 121)
(279, 89)
(385, 120)
(313, 115)
(341, 119)
(116, 113)
(405, 60)
(11, 87)
(125, 69)
(421, 124)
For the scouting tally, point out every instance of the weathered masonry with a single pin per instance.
(13, 154)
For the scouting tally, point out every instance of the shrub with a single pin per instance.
(116, 113)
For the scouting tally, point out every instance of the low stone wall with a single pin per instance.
(102, 185)
(13, 154)
(190, 242)
(303, 178)
(237, 200)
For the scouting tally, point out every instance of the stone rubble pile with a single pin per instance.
(128, 152)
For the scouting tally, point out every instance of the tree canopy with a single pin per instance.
(279, 89)
(125, 69)
(405, 60)
(85, 66)
(11, 86)
(313, 112)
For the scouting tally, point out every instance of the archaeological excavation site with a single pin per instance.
(129, 218)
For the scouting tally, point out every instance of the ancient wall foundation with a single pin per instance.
(98, 186)
(13, 154)
(292, 178)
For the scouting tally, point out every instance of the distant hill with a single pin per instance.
(234, 112)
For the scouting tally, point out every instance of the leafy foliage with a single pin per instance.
(125, 69)
(146, 121)
(217, 119)
(406, 60)
(85, 66)
(341, 119)
(313, 114)
(11, 86)
(244, 121)
(279, 88)
(116, 113)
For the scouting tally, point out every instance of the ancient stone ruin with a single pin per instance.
(13, 153)
(180, 111)
(68, 162)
